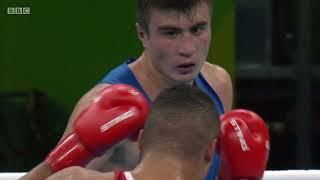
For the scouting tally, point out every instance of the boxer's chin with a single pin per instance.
(185, 77)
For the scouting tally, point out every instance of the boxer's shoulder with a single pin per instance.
(215, 75)
(220, 80)
(83, 103)
(78, 173)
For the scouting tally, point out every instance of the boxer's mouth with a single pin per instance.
(186, 68)
(186, 65)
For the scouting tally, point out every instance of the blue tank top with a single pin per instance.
(123, 75)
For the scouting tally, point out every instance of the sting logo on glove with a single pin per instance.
(239, 133)
(243, 145)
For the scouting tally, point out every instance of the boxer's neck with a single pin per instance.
(158, 167)
(151, 80)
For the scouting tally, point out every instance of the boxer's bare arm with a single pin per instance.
(81, 105)
(78, 173)
(219, 79)
(104, 162)
(42, 171)
(123, 155)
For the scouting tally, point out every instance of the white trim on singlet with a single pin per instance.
(128, 175)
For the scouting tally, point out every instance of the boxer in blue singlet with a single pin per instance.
(174, 155)
(176, 37)
(123, 75)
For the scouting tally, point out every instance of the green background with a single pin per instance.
(62, 49)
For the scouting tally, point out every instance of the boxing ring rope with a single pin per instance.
(268, 175)
(11, 176)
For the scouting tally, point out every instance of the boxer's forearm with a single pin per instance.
(40, 172)
(124, 155)
(102, 163)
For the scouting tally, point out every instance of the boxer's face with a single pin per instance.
(178, 44)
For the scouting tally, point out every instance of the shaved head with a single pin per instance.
(182, 121)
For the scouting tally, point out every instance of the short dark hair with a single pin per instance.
(144, 7)
(182, 121)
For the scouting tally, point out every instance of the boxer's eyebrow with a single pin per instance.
(200, 25)
(169, 28)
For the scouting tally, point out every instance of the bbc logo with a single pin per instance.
(18, 10)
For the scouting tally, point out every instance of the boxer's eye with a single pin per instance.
(170, 32)
(198, 28)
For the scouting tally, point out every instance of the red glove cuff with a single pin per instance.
(70, 152)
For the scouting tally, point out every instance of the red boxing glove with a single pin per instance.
(243, 146)
(117, 112)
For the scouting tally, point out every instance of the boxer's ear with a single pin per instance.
(140, 141)
(142, 35)
(211, 150)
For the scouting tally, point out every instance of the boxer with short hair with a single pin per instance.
(116, 113)
(176, 36)
(180, 136)
(177, 142)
